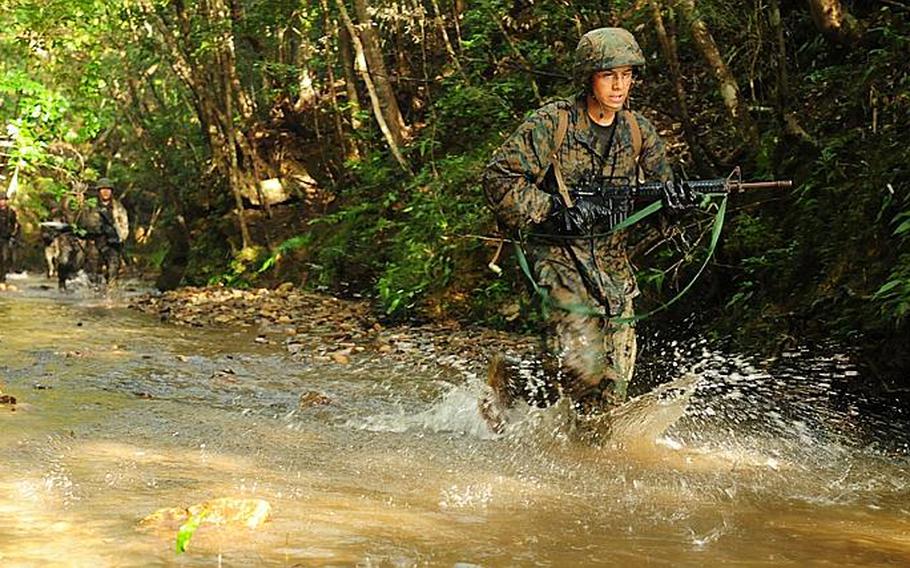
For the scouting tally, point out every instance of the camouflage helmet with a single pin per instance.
(104, 182)
(606, 48)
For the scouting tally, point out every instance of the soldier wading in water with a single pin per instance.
(583, 273)
(107, 227)
(9, 232)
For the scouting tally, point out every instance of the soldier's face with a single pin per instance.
(105, 193)
(3, 203)
(611, 87)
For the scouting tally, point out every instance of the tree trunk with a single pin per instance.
(783, 82)
(441, 28)
(235, 179)
(376, 68)
(668, 46)
(348, 67)
(350, 150)
(405, 87)
(458, 8)
(371, 89)
(837, 25)
(729, 89)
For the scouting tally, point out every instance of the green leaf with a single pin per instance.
(888, 286)
(903, 228)
(187, 529)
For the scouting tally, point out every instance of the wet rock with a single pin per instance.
(341, 357)
(73, 354)
(251, 513)
(310, 399)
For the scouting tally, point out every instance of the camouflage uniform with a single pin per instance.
(9, 231)
(589, 358)
(108, 227)
(110, 247)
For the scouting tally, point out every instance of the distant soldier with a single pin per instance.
(9, 233)
(107, 225)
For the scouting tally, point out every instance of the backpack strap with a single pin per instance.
(636, 134)
(636, 143)
(562, 126)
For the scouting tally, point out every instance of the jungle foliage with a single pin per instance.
(376, 118)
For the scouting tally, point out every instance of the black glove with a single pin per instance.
(582, 217)
(678, 197)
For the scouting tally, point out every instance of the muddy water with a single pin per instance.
(120, 415)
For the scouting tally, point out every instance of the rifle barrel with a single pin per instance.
(776, 184)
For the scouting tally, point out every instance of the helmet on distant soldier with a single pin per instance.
(605, 48)
(104, 183)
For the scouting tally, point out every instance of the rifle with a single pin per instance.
(61, 228)
(58, 226)
(597, 201)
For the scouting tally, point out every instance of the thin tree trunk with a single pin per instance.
(376, 68)
(441, 28)
(783, 82)
(245, 103)
(833, 20)
(234, 177)
(348, 67)
(330, 70)
(371, 89)
(729, 89)
(405, 88)
(458, 8)
(668, 47)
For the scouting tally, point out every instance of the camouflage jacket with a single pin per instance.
(510, 179)
(521, 203)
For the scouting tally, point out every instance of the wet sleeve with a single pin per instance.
(653, 157)
(510, 178)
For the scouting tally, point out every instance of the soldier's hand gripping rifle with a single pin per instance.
(599, 204)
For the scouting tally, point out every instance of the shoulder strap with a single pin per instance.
(636, 134)
(562, 126)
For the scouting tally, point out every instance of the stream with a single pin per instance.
(119, 415)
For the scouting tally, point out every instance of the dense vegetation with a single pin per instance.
(374, 118)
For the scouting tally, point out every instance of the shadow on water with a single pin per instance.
(732, 461)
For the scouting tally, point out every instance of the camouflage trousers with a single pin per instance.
(6, 258)
(589, 356)
(103, 262)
